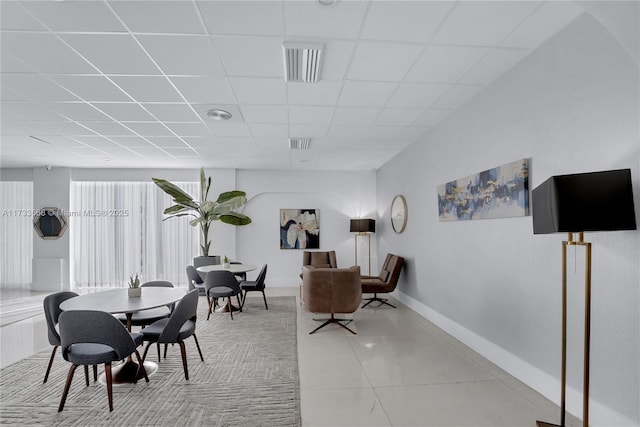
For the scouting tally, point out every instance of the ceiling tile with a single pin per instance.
(148, 129)
(173, 112)
(394, 132)
(168, 16)
(545, 21)
(41, 128)
(242, 17)
(33, 87)
(28, 111)
(92, 88)
(15, 17)
(189, 129)
(125, 112)
(183, 55)
(46, 53)
(263, 130)
(347, 132)
(432, 116)
(77, 111)
(496, 63)
(265, 113)
(166, 141)
(417, 95)
(73, 16)
(131, 141)
(148, 89)
(307, 131)
(404, 20)
(483, 23)
(229, 129)
(95, 141)
(382, 61)
(312, 115)
(272, 142)
(311, 19)
(321, 93)
(366, 94)
(445, 64)
(181, 151)
(205, 89)
(457, 95)
(336, 56)
(62, 141)
(11, 64)
(398, 116)
(251, 56)
(118, 53)
(251, 90)
(354, 116)
(106, 128)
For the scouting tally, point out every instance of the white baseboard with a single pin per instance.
(534, 377)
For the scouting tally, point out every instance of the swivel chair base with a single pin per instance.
(375, 298)
(333, 320)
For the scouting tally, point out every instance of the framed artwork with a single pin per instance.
(50, 223)
(495, 193)
(399, 213)
(299, 229)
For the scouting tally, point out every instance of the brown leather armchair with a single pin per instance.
(331, 290)
(385, 282)
(320, 259)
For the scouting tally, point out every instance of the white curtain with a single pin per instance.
(117, 231)
(16, 229)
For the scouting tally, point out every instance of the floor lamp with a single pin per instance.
(594, 201)
(363, 227)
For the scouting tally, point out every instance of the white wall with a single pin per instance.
(571, 106)
(339, 196)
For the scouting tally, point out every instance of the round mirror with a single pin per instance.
(50, 223)
(399, 213)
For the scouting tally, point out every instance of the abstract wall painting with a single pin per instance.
(495, 193)
(299, 229)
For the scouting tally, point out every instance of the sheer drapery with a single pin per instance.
(117, 231)
(16, 229)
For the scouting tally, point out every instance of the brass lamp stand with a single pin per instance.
(587, 331)
(368, 235)
(363, 227)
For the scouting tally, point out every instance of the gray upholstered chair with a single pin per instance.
(174, 330)
(257, 285)
(52, 312)
(147, 317)
(94, 337)
(195, 280)
(385, 282)
(221, 284)
(331, 290)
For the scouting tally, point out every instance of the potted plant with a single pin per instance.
(204, 211)
(134, 287)
(226, 262)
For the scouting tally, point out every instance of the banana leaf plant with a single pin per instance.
(204, 212)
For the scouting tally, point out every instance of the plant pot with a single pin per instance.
(134, 292)
(199, 261)
(226, 265)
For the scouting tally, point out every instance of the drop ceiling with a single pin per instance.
(127, 84)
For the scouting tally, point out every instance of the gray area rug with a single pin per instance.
(249, 378)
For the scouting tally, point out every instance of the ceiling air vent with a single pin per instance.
(299, 143)
(302, 62)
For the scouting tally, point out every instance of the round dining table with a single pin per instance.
(118, 301)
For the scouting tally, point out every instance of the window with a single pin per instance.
(16, 229)
(117, 230)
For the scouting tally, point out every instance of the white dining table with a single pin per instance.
(116, 301)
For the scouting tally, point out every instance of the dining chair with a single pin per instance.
(257, 285)
(222, 284)
(93, 337)
(195, 280)
(174, 330)
(241, 276)
(147, 317)
(52, 312)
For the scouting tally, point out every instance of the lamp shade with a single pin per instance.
(363, 226)
(593, 201)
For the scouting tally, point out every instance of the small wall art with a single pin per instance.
(495, 193)
(299, 229)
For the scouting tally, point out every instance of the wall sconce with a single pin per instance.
(595, 201)
(363, 227)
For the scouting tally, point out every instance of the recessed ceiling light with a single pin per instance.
(217, 114)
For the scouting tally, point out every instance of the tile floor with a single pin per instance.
(400, 370)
